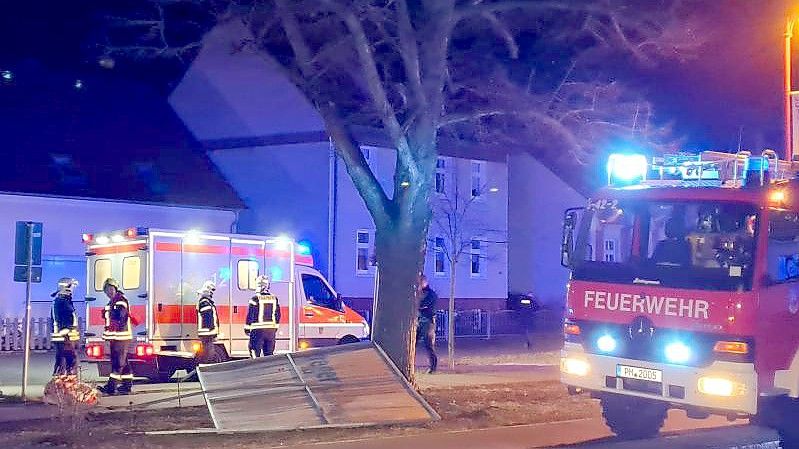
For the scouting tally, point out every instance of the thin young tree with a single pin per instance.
(422, 72)
(456, 220)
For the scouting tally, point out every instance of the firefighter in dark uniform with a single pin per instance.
(426, 327)
(263, 318)
(207, 320)
(65, 328)
(118, 334)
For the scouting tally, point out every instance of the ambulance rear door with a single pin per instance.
(247, 261)
(127, 263)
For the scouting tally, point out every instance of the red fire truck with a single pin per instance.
(684, 291)
(160, 271)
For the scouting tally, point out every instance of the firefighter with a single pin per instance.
(263, 318)
(65, 328)
(426, 327)
(207, 320)
(118, 334)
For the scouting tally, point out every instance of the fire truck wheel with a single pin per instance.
(633, 418)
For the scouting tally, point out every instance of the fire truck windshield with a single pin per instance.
(699, 245)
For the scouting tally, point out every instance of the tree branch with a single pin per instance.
(452, 119)
(504, 33)
(410, 53)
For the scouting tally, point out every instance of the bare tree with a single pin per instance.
(456, 221)
(427, 73)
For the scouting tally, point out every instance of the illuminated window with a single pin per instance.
(247, 273)
(131, 273)
(102, 271)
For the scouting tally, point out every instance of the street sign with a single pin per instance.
(22, 244)
(21, 274)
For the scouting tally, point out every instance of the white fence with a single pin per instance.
(11, 333)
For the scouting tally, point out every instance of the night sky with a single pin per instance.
(734, 85)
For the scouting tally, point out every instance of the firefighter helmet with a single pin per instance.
(263, 282)
(111, 282)
(208, 288)
(65, 286)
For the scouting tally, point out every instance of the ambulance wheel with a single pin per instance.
(348, 339)
(633, 418)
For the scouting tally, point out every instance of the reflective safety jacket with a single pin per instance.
(64, 320)
(117, 319)
(263, 312)
(207, 320)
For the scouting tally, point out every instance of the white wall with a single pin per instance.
(537, 201)
(64, 222)
(490, 222)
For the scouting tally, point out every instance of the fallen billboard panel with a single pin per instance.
(348, 385)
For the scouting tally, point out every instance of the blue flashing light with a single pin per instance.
(275, 273)
(304, 248)
(224, 273)
(678, 352)
(606, 343)
(626, 168)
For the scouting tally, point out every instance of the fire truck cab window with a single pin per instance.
(318, 294)
(783, 246)
(689, 244)
(102, 271)
(247, 273)
(131, 273)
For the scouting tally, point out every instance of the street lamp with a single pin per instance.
(789, 26)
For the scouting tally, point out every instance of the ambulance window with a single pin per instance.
(247, 273)
(317, 293)
(102, 271)
(131, 273)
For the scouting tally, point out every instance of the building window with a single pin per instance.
(440, 257)
(478, 178)
(441, 175)
(247, 274)
(131, 273)
(102, 271)
(610, 250)
(363, 245)
(476, 258)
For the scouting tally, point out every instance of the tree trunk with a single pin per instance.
(451, 315)
(400, 253)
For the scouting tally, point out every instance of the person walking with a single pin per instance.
(207, 320)
(118, 334)
(426, 327)
(65, 333)
(263, 319)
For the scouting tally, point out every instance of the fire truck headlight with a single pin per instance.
(718, 386)
(606, 343)
(678, 352)
(575, 367)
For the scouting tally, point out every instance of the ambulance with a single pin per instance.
(684, 291)
(160, 271)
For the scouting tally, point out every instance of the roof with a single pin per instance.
(112, 138)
